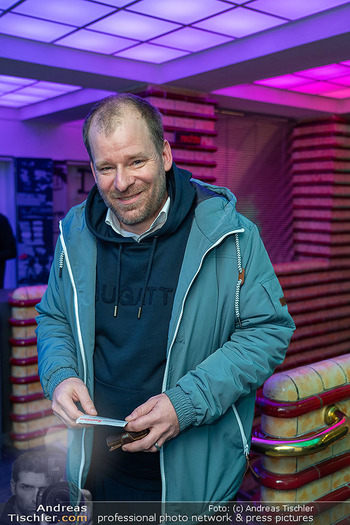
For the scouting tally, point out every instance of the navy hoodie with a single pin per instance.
(140, 279)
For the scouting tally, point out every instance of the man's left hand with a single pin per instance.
(159, 416)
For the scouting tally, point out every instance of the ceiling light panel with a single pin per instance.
(152, 53)
(294, 9)
(26, 27)
(18, 97)
(6, 4)
(115, 3)
(19, 92)
(40, 92)
(238, 1)
(11, 103)
(77, 13)
(182, 11)
(96, 42)
(16, 81)
(191, 39)
(63, 88)
(324, 72)
(340, 94)
(283, 82)
(133, 25)
(342, 81)
(7, 88)
(240, 22)
(314, 88)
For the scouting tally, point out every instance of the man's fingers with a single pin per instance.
(87, 405)
(159, 416)
(141, 423)
(66, 410)
(142, 410)
(65, 397)
(145, 444)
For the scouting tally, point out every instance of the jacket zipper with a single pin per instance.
(244, 439)
(80, 340)
(172, 343)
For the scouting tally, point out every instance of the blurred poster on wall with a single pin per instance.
(59, 196)
(72, 182)
(34, 219)
(80, 182)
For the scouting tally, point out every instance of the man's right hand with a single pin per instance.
(65, 397)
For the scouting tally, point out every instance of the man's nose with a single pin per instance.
(36, 491)
(122, 180)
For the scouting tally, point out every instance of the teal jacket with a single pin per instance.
(227, 333)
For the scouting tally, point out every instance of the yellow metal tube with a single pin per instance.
(303, 446)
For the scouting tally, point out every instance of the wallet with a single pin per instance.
(118, 440)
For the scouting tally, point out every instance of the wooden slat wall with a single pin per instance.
(188, 114)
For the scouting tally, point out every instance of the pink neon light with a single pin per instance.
(324, 72)
(283, 82)
(315, 88)
(341, 93)
(342, 81)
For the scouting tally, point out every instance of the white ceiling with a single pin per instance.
(296, 41)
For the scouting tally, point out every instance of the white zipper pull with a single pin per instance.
(61, 262)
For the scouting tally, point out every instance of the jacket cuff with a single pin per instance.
(57, 378)
(184, 408)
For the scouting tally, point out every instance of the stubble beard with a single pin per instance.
(148, 210)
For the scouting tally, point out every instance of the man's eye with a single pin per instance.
(106, 168)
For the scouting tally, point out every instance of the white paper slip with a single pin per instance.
(98, 420)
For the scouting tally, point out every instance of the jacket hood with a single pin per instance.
(216, 212)
(182, 196)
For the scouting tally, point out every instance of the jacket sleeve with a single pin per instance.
(252, 352)
(57, 353)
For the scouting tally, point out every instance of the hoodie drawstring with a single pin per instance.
(148, 273)
(118, 280)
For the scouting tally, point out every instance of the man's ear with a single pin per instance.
(13, 487)
(93, 170)
(167, 156)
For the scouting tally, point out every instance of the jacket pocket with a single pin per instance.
(275, 293)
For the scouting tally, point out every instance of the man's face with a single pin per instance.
(26, 490)
(129, 172)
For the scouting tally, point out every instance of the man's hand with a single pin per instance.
(157, 414)
(65, 397)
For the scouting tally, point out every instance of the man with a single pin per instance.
(150, 313)
(28, 480)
